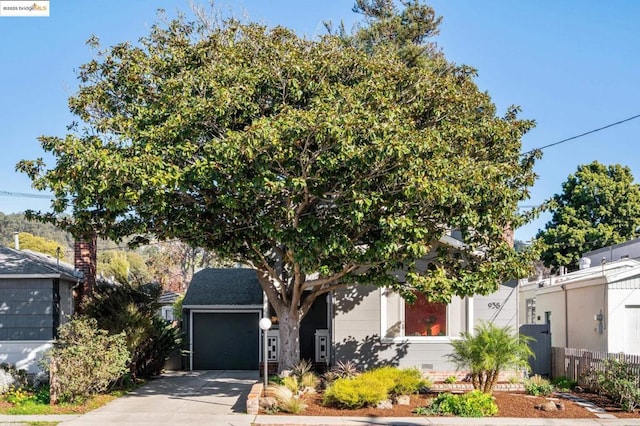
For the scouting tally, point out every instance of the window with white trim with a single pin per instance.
(531, 310)
(167, 313)
(422, 320)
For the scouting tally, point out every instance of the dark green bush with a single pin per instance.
(472, 404)
(563, 383)
(537, 385)
(134, 311)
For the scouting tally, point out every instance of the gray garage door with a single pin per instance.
(225, 341)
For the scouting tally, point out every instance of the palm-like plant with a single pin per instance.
(489, 351)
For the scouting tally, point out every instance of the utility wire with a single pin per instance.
(25, 195)
(582, 134)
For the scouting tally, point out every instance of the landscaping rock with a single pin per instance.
(547, 406)
(560, 406)
(403, 400)
(385, 404)
(268, 402)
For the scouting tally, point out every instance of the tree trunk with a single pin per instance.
(289, 355)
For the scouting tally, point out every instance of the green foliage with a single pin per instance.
(538, 385)
(405, 381)
(599, 206)
(86, 360)
(41, 245)
(124, 266)
(287, 400)
(451, 380)
(472, 404)
(355, 152)
(134, 312)
(291, 383)
(342, 370)
(488, 351)
(617, 380)
(18, 395)
(373, 386)
(177, 308)
(309, 380)
(17, 222)
(357, 392)
(563, 383)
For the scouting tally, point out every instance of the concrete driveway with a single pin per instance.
(180, 398)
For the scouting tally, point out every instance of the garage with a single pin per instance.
(221, 311)
(225, 341)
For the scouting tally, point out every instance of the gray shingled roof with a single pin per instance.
(224, 287)
(29, 263)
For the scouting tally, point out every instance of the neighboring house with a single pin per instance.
(595, 308)
(167, 300)
(627, 250)
(36, 296)
(364, 324)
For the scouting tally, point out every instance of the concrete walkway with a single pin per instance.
(219, 397)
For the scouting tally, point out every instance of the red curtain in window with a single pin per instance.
(423, 318)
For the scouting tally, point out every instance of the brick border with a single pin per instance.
(253, 399)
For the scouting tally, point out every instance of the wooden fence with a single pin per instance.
(574, 363)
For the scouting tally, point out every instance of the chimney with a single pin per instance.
(85, 260)
(16, 240)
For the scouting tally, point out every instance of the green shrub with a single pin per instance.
(618, 381)
(356, 392)
(538, 385)
(563, 383)
(291, 383)
(86, 360)
(342, 370)
(18, 395)
(133, 310)
(488, 351)
(472, 404)
(451, 380)
(287, 400)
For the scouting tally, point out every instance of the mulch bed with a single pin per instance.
(510, 404)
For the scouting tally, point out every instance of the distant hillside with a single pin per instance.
(16, 222)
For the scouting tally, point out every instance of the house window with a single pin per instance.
(167, 313)
(424, 318)
(531, 310)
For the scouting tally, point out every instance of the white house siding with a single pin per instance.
(500, 308)
(623, 301)
(359, 334)
(550, 300)
(585, 303)
(24, 354)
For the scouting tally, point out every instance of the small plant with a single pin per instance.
(342, 370)
(287, 401)
(18, 396)
(451, 380)
(302, 368)
(538, 385)
(309, 380)
(291, 383)
(488, 351)
(472, 404)
(514, 380)
(563, 383)
(275, 379)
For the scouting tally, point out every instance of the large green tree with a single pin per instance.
(321, 163)
(599, 206)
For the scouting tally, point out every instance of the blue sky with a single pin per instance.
(572, 66)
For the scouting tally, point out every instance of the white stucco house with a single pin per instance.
(595, 308)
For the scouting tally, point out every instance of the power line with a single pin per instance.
(582, 134)
(25, 195)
